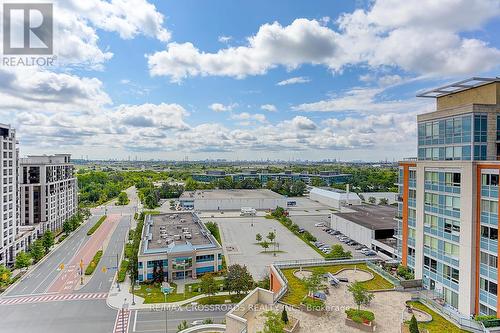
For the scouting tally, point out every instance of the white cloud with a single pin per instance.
(247, 118)
(303, 41)
(269, 107)
(419, 37)
(294, 80)
(360, 100)
(219, 107)
(224, 39)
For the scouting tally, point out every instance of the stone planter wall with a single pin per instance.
(295, 327)
(318, 313)
(361, 326)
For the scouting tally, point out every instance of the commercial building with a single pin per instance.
(448, 211)
(211, 200)
(48, 191)
(333, 197)
(177, 246)
(325, 177)
(371, 225)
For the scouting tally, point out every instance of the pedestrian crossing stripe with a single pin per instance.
(52, 298)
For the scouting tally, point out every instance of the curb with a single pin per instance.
(45, 258)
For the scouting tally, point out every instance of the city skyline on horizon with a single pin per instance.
(268, 81)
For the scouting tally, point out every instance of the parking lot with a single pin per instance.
(308, 222)
(240, 245)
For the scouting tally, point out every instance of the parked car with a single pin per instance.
(319, 225)
(196, 322)
(301, 231)
(359, 247)
(352, 243)
(371, 253)
(336, 232)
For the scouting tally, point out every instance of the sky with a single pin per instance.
(309, 80)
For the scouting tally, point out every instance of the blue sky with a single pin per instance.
(245, 79)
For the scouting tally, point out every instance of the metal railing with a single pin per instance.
(395, 281)
(321, 262)
(430, 298)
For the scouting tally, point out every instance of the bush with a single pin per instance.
(313, 304)
(284, 316)
(91, 267)
(309, 237)
(404, 272)
(413, 325)
(360, 316)
(96, 225)
(484, 317)
(122, 273)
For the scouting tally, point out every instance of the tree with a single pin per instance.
(338, 252)
(238, 279)
(23, 260)
(5, 275)
(273, 323)
(372, 200)
(37, 250)
(414, 325)
(208, 321)
(313, 282)
(271, 236)
(360, 294)
(258, 237)
(284, 316)
(265, 245)
(383, 201)
(122, 199)
(208, 284)
(68, 227)
(48, 240)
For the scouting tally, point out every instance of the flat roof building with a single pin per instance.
(176, 246)
(212, 200)
(371, 225)
(333, 197)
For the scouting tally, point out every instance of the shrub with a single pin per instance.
(313, 304)
(413, 325)
(360, 316)
(122, 273)
(93, 264)
(405, 272)
(284, 316)
(96, 225)
(309, 237)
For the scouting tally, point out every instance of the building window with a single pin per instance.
(488, 286)
(489, 180)
(431, 221)
(430, 264)
(451, 249)
(490, 207)
(450, 297)
(490, 233)
(489, 260)
(451, 273)
(430, 242)
(451, 226)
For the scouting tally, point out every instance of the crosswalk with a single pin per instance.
(122, 320)
(52, 298)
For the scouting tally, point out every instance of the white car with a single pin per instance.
(196, 322)
(319, 225)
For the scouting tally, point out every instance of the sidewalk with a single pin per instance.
(116, 298)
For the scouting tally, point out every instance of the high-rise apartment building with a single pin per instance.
(448, 212)
(48, 191)
(8, 193)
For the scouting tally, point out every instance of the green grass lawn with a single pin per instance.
(438, 324)
(152, 294)
(297, 289)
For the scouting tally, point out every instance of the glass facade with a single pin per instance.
(488, 267)
(455, 138)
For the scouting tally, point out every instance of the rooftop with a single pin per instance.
(452, 88)
(233, 194)
(374, 217)
(175, 232)
(46, 159)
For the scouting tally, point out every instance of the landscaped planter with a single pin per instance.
(293, 325)
(366, 327)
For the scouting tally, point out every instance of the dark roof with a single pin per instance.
(374, 217)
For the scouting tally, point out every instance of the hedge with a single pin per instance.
(122, 273)
(90, 268)
(360, 316)
(96, 225)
